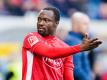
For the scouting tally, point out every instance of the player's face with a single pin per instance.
(46, 24)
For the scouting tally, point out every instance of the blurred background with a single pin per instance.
(18, 17)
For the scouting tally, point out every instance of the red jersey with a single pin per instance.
(42, 58)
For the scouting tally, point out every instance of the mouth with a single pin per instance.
(41, 29)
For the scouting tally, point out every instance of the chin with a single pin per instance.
(41, 33)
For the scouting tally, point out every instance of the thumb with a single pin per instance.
(86, 36)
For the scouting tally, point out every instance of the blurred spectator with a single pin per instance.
(61, 5)
(19, 7)
(3, 68)
(9, 75)
(82, 69)
(96, 9)
(14, 7)
(103, 10)
(3, 10)
(14, 71)
(34, 5)
(92, 8)
(67, 7)
(76, 5)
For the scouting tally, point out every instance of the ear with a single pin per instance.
(57, 22)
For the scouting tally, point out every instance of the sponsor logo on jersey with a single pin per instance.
(53, 63)
(32, 40)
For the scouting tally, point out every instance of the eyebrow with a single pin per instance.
(45, 18)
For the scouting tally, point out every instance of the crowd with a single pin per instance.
(96, 9)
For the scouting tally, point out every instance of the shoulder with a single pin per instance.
(31, 34)
(31, 39)
(61, 42)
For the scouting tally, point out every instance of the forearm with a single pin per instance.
(54, 52)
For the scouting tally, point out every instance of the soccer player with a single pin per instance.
(44, 56)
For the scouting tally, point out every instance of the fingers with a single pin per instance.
(94, 40)
(92, 46)
(95, 43)
(89, 44)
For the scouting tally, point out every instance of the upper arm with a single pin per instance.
(68, 68)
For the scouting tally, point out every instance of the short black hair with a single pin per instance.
(55, 11)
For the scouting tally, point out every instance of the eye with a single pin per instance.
(39, 19)
(47, 20)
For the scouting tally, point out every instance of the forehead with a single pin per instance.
(46, 14)
(84, 20)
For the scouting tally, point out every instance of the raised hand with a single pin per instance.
(89, 44)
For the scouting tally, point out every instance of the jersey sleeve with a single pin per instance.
(39, 47)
